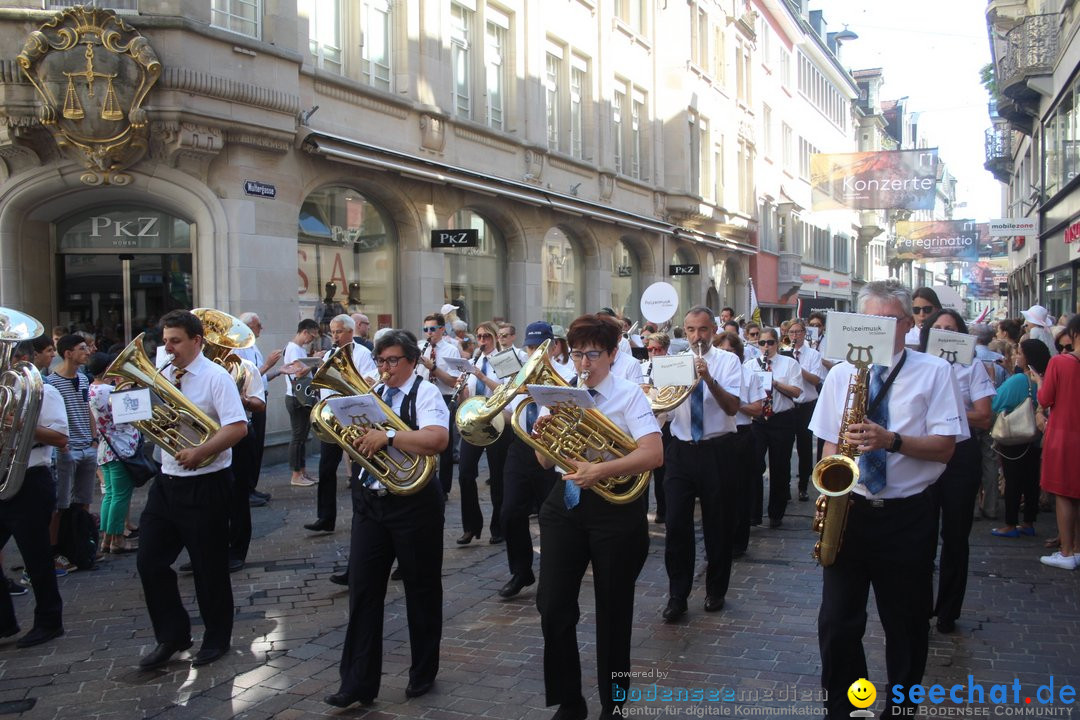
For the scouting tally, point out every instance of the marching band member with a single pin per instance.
(187, 506)
(433, 353)
(811, 374)
(387, 526)
(657, 345)
(913, 419)
(244, 468)
(703, 437)
(774, 430)
(578, 527)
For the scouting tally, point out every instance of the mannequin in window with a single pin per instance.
(354, 301)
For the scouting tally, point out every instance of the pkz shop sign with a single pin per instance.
(464, 238)
(124, 232)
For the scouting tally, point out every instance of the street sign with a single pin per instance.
(260, 189)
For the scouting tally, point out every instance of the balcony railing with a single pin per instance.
(120, 6)
(999, 152)
(1031, 48)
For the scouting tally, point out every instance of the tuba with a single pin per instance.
(21, 393)
(576, 434)
(402, 473)
(177, 423)
(835, 476)
(223, 333)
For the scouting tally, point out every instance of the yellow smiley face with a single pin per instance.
(862, 693)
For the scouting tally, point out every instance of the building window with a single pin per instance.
(578, 103)
(700, 156)
(628, 118)
(789, 148)
(563, 278)
(821, 93)
(632, 13)
(243, 17)
(551, 93)
(498, 30)
(684, 283)
(718, 172)
(765, 39)
(719, 67)
(375, 45)
(699, 37)
(618, 111)
(637, 142)
(805, 151)
(461, 20)
(474, 278)
(768, 227)
(747, 201)
(840, 253)
(785, 68)
(624, 279)
(743, 73)
(324, 32)
(766, 131)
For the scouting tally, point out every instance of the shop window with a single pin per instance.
(563, 278)
(345, 240)
(243, 17)
(682, 283)
(625, 271)
(474, 279)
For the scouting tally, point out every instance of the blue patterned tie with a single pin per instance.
(872, 464)
(531, 411)
(571, 492)
(481, 388)
(388, 398)
(697, 413)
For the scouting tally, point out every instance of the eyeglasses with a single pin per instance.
(654, 349)
(923, 309)
(481, 336)
(763, 343)
(503, 336)
(753, 334)
(593, 355)
(391, 361)
(433, 328)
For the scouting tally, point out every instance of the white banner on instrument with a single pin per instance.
(356, 409)
(673, 370)
(506, 363)
(550, 395)
(131, 406)
(958, 348)
(459, 364)
(865, 338)
(766, 380)
(813, 333)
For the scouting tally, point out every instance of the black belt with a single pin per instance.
(891, 503)
(762, 419)
(697, 443)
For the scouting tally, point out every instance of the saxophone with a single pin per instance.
(836, 475)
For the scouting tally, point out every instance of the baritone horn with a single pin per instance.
(177, 423)
(21, 393)
(222, 334)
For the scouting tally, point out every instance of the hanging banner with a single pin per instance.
(889, 180)
(934, 240)
(983, 278)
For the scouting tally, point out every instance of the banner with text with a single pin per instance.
(983, 278)
(934, 240)
(889, 180)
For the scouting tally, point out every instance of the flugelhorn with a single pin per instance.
(222, 335)
(21, 393)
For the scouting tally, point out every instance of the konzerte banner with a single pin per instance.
(935, 240)
(887, 180)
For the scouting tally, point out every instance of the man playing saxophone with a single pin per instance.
(187, 505)
(578, 527)
(386, 525)
(912, 419)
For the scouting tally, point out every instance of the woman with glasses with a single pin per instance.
(774, 431)
(656, 345)
(579, 527)
(387, 526)
(752, 333)
(924, 303)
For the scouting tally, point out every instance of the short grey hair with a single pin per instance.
(345, 320)
(250, 317)
(890, 290)
(459, 325)
(983, 333)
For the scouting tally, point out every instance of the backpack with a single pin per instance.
(78, 537)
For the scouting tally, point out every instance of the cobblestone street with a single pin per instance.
(1021, 620)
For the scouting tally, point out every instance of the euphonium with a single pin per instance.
(21, 393)
(402, 473)
(177, 423)
(666, 398)
(575, 434)
(222, 334)
(835, 476)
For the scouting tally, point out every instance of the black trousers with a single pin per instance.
(615, 539)
(258, 424)
(775, 438)
(300, 422)
(446, 457)
(243, 468)
(804, 442)
(658, 475)
(892, 549)
(472, 518)
(700, 470)
(1021, 469)
(957, 488)
(189, 512)
(26, 518)
(745, 466)
(525, 485)
(330, 455)
(408, 527)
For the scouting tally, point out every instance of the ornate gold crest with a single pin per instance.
(92, 72)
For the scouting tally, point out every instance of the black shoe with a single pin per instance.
(775, 523)
(12, 629)
(495, 540)
(160, 656)
(38, 635)
(413, 690)
(576, 710)
(340, 578)
(713, 604)
(946, 626)
(264, 496)
(186, 567)
(206, 656)
(467, 538)
(256, 501)
(236, 565)
(803, 496)
(344, 700)
(675, 609)
(15, 588)
(396, 575)
(320, 526)
(517, 584)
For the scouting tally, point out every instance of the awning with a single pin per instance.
(342, 149)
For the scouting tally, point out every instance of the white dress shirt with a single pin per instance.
(52, 416)
(566, 370)
(751, 351)
(254, 387)
(364, 363)
(443, 349)
(292, 352)
(489, 372)
(784, 370)
(924, 400)
(809, 360)
(627, 367)
(209, 387)
(724, 369)
(973, 382)
(253, 354)
(752, 391)
(431, 411)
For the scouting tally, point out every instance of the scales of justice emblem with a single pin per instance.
(92, 72)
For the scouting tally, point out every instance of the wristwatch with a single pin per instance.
(897, 441)
(390, 434)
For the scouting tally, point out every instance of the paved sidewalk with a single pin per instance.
(1022, 621)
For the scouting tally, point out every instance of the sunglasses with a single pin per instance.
(763, 343)
(433, 328)
(481, 336)
(924, 310)
(1065, 348)
(656, 349)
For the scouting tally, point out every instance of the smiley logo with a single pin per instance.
(862, 693)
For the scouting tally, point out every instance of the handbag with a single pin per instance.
(140, 468)
(1016, 427)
